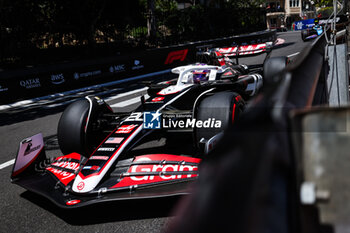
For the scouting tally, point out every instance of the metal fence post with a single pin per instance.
(338, 77)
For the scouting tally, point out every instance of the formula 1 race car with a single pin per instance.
(312, 32)
(153, 151)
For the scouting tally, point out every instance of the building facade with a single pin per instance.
(280, 14)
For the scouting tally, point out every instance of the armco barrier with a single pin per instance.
(39, 81)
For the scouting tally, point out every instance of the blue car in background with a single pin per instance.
(310, 28)
(312, 32)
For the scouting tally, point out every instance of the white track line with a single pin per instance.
(117, 105)
(25, 102)
(294, 54)
(125, 94)
(8, 163)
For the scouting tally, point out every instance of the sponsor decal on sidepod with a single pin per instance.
(159, 168)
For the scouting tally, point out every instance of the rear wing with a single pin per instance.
(242, 50)
(217, 55)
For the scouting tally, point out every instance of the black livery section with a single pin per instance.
(114, 155)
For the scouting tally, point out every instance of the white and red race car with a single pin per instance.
(153, 151)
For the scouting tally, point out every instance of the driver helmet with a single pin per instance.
(200, 76)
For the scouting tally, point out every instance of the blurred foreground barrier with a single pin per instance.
(39, 81)
(283, 167)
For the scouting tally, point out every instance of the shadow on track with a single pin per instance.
(107, 212)
(57, 105)
(52, 106)
(14, 116)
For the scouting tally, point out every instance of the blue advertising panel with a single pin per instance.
(303, 24)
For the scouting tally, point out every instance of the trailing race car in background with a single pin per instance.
(153, 151)
(318, 26)
(312, 32)
(222, 56)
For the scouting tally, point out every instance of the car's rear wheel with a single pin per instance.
(225, 107)
(304, 35)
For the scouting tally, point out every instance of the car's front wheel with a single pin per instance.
(80, 128)
(304, 35)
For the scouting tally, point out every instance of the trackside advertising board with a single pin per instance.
(40, 81)
(309, 23)
(303, 24)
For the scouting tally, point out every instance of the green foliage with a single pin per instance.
(31, 24)
(325, 12)
(321, 3)
(165, 5)
(200, 22)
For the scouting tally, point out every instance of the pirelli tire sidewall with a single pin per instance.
(70, 132)
(304, 34)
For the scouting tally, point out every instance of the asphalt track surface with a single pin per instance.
(23, 211)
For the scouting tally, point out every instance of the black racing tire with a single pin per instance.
(82, 129)
(304, 35)
(70, 131)
(223, 106)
